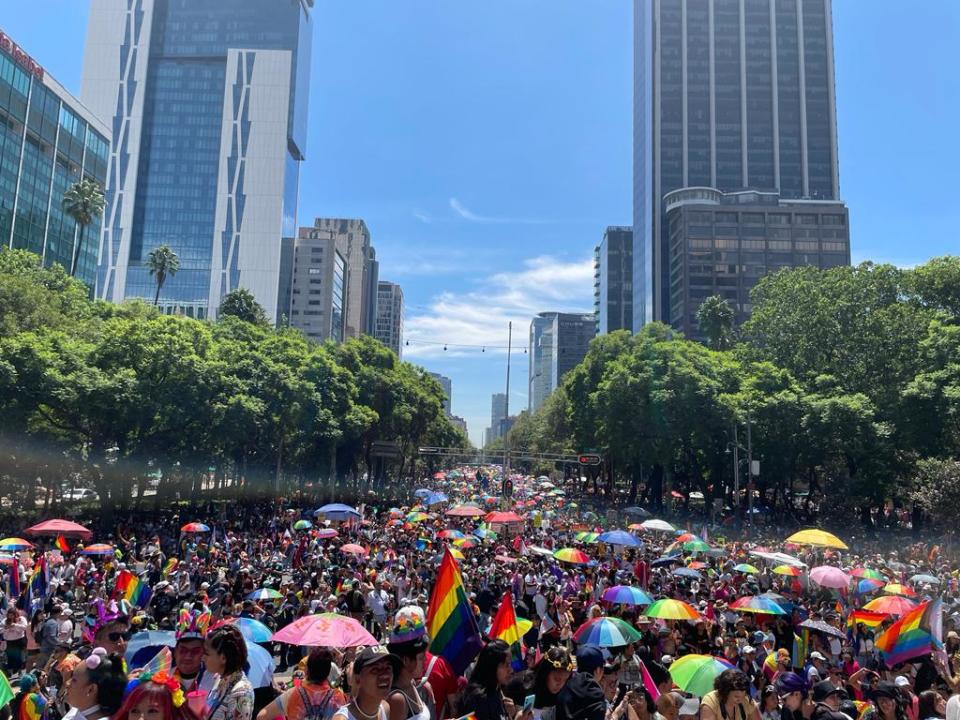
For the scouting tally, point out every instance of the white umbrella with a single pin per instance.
(779, 558)
(537, 550)
(661, 525)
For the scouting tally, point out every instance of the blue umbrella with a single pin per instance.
(687, 572)
(337, 511)
(667, 560)
(421, 492)
(143, 646)
(619, 537)
(436, 498)
(261, 665)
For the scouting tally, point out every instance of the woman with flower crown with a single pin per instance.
(155, 694)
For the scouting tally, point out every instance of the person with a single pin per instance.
(95, 689)
(15, 636)
(933, 706)
(106, 627)
(484, 694)
(729, 698)
(826, 702)
(793, 690)
(582, 697)
(225, 653)
(314, 698)
(154, 695)
(188, 652)
(410, 699)
(372, 679)
(550, 676)
(770, 703)
(29, 703)
(887, 703)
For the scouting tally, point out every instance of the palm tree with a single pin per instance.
(716, 317)
(162, 262)
(83, 202)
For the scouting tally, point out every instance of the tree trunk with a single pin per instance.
(156, 298)
(76, 250)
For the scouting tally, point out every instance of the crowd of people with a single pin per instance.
(193, 639)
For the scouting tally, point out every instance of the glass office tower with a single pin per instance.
(208, 103)
(48, 141)
(729, 95)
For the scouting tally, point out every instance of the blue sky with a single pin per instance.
(488, 144)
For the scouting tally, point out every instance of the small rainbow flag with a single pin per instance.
(62, 544)
(506, 628)
(31, 707)
(169, 567)
(451, 624)
(130, 588)
(918, 632)
(865, 617)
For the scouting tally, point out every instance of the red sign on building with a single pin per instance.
(19, 56)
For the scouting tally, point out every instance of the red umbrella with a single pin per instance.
(503, 517)
(465, 511)
(60, 527)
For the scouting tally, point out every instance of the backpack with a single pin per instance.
(314, 711)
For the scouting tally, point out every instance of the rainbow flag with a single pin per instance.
(451, 624)
(505, 627)
(62, 544)
(169, 567)
(918, 632)
(130, 588)
(36, 591)
(865, 617)
(801, 646)
(31, 707)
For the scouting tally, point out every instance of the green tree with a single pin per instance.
(162, 262)
(84, 202)
(715, 318)
(241, 303)
(936, 489)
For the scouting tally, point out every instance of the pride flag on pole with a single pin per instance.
(452, 627)
(506, 627)
(132, 589)
(62, 544)
(918, 632)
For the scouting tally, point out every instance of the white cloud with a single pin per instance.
(422, 217)
(480, 317)
(467, 214)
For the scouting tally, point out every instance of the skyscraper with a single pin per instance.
(498, 412)
(729, 95)
(447, 385)
(208, 104)
(318, 287)
(50, 141)
(613, 283)
(558, 342)
(389, 324)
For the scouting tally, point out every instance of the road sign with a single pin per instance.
(429, 451)
(589, 459)
(385, 449)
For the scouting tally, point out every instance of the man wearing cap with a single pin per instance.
(816, 668)
(826, 698)
(188, 652)
(582, 697)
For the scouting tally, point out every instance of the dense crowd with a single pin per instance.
(174, 618)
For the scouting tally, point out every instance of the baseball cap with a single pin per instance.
(747, 649)
(824, 689)
(374, 654)
(589, 658)
(900, 681)
(690, 707)
(666, 659)
(815, 655)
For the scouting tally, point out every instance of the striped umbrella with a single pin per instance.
(195, 527)
(465, 543)
(746, 569)
(264, 594)
(451, 534)
(572, 556)
(788, 570)
(868, 585)
(15, 544)
(668, 609)
(586, 537)
(891, 605)
(898, 589)
(302, 525)
(97, 549)
(757, 604)
(695, 673)
(606, 632)
(861, 572)
(626, 595)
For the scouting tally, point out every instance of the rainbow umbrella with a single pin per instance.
(746, 569)
(695, 673)
(868, 585)
(685, 537)
(626, 595)
(395, 513)
(7, 559)
(97, 549)
(789, 570)
(264, 594)
(456, 554)
(586, 537)
(668, 609)
(898, 589)
(606, 632)
(890, 605)
(302, 525)
(15, 544)
(572, 556)
(867, 573)
(194, 527)
(451, 535)
(465, 543)
(485, 533)
(757, 604)
(697, 565)
(417, 517)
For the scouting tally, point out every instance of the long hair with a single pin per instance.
(484, 673)
(227, 640)
(556, 658)
(158, 696)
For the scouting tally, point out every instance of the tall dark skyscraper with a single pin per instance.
(729, 95)
(207, 100)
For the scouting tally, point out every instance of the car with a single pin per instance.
(81, 494)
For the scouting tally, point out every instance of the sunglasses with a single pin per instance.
(118, 636)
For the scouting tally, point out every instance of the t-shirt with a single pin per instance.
(311, 700)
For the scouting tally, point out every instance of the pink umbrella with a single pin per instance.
(325, 630)
(830, 576)
(326, 533)
(353, 549)
(60, 527)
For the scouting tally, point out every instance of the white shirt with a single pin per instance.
(377, 602)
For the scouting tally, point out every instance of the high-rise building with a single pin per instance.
(729, 95)
(558, 342)
(353, 242)
(498, 411)
(613, 280)
(50, 141)
(447, 385)
(318, 287)
(208, 104)
(389, 325)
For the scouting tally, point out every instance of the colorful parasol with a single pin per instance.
(195, 527)
(264, 594)
(898, 589)
(327, 533)
(606, 632)
(668, 609)
(788, 570)
(757, 604)
(325, 630)
(586, 537)
(15, 544)
(572, 556)
(451, 535)
(746, 569)
(626, 595)
(891, 605)
(867, 573)
(98, 549)
(695, 673)
(302, 525)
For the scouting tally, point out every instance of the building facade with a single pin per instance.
(353, 242)
(207, 100)
(389, 325)
(731, 95)
(48, 142)
(558, 342)
(613, 280)
(723, 243)
(318, 288)
(498, 411)
(447, 385)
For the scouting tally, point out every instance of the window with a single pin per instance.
(726, 244)
(753, 218)
(314, 271)
(725, 217)
(832, 220)
(806, 219)
(834, 247)
(778, 219)
(779, 244)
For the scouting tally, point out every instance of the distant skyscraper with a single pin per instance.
(728, 95)
(353, 242)
(208, 104)
(50, 141)
(498, 411)
(613, 284)
(389, 325)
(318, 287)
(447, 386)
(558, 342)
